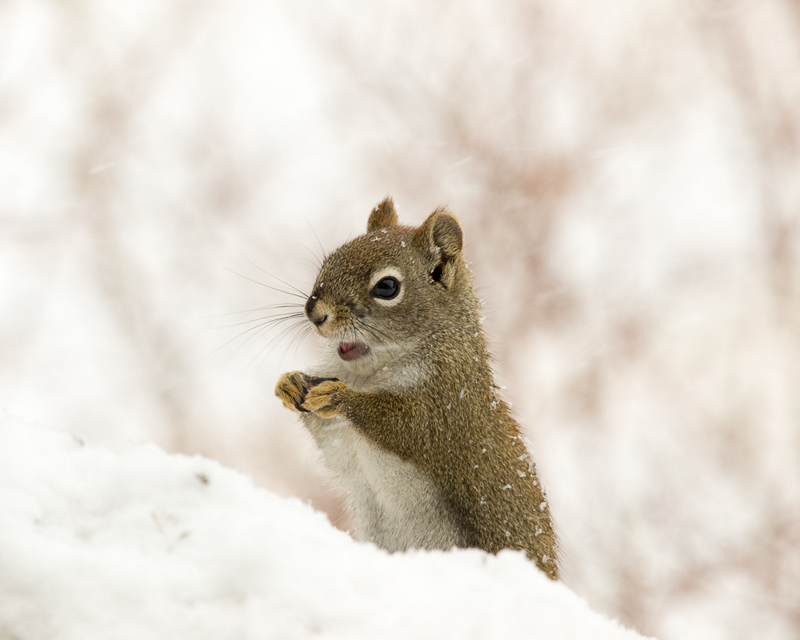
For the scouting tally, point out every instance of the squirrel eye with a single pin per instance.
(386, 289)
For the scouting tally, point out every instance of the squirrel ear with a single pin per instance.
(440, 236)
(382, 216)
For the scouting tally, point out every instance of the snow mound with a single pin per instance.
(143, 544)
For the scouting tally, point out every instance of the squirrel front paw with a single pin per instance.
(292, 389)
(326, 398)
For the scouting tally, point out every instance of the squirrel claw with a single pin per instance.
(325, 398)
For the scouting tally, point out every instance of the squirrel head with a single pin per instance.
(392, 286)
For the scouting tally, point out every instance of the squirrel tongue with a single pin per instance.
(351, 350)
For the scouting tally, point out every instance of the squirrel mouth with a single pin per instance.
(351, 350)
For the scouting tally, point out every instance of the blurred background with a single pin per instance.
(628, 177)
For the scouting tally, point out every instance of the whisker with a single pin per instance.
(374, 331)
(358, 330)
(291, 286)
(272, 341)
(321, 248)
(306, 331)
(359, 327)
(300, 294)
(287, 305)
(258, 328)
(313, 255)
(273, 318)
(299, 330)
(272, 344)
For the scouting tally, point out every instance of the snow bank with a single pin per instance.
(143, 544)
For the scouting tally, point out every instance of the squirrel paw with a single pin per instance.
(324, 399)
(292, 389)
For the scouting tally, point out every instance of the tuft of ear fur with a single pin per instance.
(440, 237)
(382, 216)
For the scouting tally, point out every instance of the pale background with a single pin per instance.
(628, 177)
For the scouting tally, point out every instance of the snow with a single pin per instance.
(144, 544)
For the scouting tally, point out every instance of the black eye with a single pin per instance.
(386, 289)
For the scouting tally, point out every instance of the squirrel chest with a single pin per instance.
(403, 404)
(397, 505)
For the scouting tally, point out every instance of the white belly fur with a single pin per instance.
(397, 507)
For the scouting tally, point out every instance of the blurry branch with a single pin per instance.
(117, 91)
(768, 96)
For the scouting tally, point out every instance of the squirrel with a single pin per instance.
(403, 403)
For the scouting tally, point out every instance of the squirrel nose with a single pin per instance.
(320, 319)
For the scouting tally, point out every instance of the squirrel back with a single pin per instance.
(403, 402)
